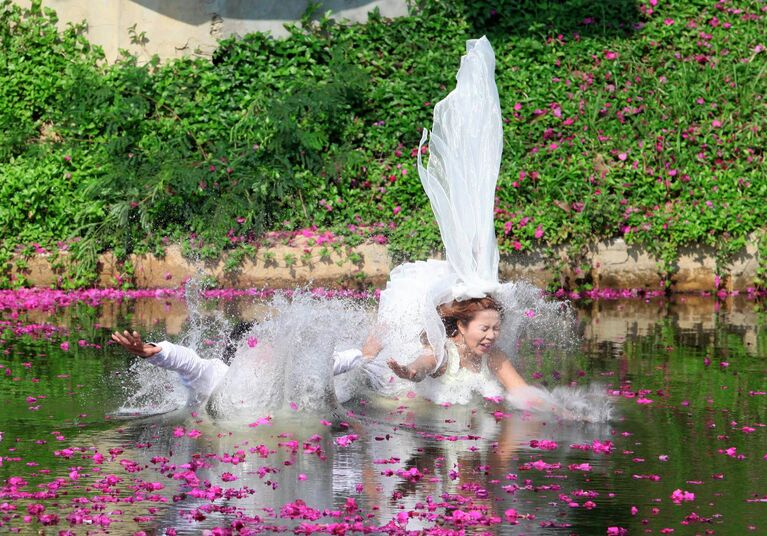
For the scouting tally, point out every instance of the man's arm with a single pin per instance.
(133, 344)
(198, 374)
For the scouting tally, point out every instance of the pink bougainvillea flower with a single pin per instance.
(679, 496)
(346, 440)
(602, 447)
(579, 467)
(540, 465)
(266, 421)
(544, 444)
(610, 55)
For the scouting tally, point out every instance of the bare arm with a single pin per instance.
(416, 371)
(518, 393)
(501, 366)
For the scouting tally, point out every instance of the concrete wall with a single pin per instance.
(612, 264)
(181, 27)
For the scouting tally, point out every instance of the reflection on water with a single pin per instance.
(687, 375)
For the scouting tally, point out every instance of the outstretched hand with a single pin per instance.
(403, 371)
(132, 343)
(372, 347)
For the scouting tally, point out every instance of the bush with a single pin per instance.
(625, 120)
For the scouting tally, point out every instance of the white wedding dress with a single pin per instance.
(465, 150)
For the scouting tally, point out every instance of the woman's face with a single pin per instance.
(480, 333)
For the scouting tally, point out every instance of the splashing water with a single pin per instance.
(532, 320)
(284, 363)
(150, 390)
(291, 363)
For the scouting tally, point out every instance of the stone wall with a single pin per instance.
(176, 28)
(612, 264)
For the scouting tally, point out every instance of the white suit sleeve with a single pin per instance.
(377, 371)
(345, 361)
(199, 375)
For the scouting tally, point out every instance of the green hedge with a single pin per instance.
(621, 119)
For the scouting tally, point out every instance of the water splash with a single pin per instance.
(286, 359)
(531, 319)
(150, 390)
(548, 327)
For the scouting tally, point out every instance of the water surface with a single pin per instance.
(686, 451)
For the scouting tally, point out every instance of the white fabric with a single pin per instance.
(465, 154)
(465, 149)
(345, 361)
(458, 385)
(201, 376)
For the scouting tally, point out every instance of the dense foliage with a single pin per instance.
(640, 120)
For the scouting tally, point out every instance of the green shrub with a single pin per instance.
(621, 120)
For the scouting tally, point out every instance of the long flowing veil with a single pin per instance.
(464, 158)
(465, 153)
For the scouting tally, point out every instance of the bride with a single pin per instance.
(449, 313)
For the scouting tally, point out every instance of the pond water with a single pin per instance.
(685, 452)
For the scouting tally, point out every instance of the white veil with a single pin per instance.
(465, 153)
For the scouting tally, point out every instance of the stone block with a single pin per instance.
(695, 269)
(616, 264)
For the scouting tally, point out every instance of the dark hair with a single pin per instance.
(463, 311)
(239, 329)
